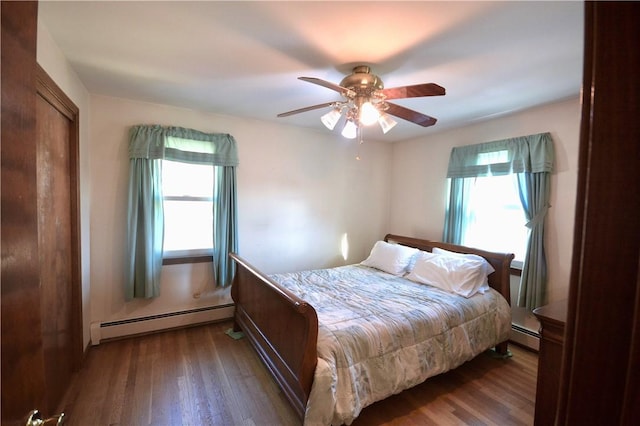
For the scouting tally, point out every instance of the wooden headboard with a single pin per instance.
(500, 280)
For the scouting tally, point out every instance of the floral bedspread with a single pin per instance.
(380, 334)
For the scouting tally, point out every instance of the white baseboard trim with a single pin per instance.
(148, 324)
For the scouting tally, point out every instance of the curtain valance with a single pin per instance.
(187, 145)
(525, 154)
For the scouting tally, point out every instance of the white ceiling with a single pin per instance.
(243, 58)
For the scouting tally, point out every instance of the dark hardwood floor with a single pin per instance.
(201, 376)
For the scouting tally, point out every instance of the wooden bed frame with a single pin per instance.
(283, 328)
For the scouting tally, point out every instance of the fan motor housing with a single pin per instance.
(362, 81)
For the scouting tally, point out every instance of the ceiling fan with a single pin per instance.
(366, 102)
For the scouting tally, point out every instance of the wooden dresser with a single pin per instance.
(552, 319)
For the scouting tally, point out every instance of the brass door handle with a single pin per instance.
(35, 419)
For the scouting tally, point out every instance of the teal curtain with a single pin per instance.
(148, 144)
(531, 159)
(534, 196)
(145, 229)
(456, 210)
(225, 228)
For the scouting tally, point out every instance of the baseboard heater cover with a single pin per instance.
(132, 326)
(525, 336)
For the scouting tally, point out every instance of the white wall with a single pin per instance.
(51, 59)
(299, 191)
(419, 169)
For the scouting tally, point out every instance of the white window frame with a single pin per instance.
(187, 252)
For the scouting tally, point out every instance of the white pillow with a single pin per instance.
(488, 269)
(391, 258)
(454, 274)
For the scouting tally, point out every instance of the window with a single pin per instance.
(150, 148)
(487, 183)
(188, 208)
(494, 219)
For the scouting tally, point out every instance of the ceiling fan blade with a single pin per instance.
(329, 85)
(410, 115)
(309, 108)
(415, 91)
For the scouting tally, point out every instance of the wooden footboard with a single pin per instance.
(281, 327)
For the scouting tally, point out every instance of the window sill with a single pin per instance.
(194, 258)
(517, 271)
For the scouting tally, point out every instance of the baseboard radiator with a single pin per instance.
(525, 337)
(148, 324)
(130, 327)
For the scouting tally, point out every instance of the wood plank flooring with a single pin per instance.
(201, 376)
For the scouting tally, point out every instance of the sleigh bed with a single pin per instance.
(334, 352)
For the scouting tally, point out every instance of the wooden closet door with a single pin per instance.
(58, 244)
(54, 242)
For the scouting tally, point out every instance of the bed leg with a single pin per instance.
(235, 332)
(502, 350)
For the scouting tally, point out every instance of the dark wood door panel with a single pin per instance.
(600, 360)
(22, 369)
(60, 116)
(31, 334)
(54, 243)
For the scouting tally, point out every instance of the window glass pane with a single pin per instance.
(189, 145)
(180, 179)
(495, 220)
(494, 157)
(188, 225)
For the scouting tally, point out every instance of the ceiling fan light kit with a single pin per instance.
(386, 122)
(350, 130)
(366, 102)
(331, 118)
(369, 114)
